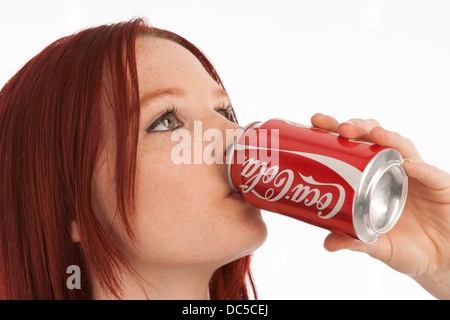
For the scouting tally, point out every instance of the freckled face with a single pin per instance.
(183, 215)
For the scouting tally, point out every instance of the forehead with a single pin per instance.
(164, 63)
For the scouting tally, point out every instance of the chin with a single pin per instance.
(253, 235)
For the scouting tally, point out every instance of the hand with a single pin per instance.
(419, 244)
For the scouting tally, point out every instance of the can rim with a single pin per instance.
(371, 176)
(231, 152)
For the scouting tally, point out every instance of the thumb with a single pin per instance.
(380, 250)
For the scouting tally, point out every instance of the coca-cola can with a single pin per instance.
(348, 186)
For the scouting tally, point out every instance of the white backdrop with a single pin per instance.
(382, 59)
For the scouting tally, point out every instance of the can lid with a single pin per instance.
(381, 196)
(386, 198)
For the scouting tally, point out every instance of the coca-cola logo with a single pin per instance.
(284, 184)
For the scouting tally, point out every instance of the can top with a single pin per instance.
(381, 196)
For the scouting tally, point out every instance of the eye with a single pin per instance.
(227, 112)
(167, 121)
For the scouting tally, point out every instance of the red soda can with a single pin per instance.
(348, 186)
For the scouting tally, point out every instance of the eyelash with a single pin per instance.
(174, 110)
(229, 112)
(169, 110)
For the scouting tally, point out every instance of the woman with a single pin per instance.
(87, 179)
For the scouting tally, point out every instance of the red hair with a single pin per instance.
(50, 138)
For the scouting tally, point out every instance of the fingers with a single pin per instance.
(324, 122)
(352, 129)
(369, 130)
(395, 141)
(357, 128)
(431, 176)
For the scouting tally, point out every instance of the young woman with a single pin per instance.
(87, 179)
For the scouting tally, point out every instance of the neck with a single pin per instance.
(161, 284)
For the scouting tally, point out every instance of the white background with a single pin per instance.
(387, 60)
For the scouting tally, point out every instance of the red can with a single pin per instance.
(347, 186)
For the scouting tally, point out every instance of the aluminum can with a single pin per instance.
(348, 186)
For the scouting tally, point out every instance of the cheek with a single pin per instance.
(162, 186)
(169, 209)
(183, 218)
(171, 197)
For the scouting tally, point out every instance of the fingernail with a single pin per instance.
(349, 122)
(409, 160)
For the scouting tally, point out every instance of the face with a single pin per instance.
(184, 215)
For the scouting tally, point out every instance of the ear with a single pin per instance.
(74, 234)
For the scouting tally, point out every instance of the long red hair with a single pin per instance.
(50, 136)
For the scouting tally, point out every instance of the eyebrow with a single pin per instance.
(176, 92)
(220, 93)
